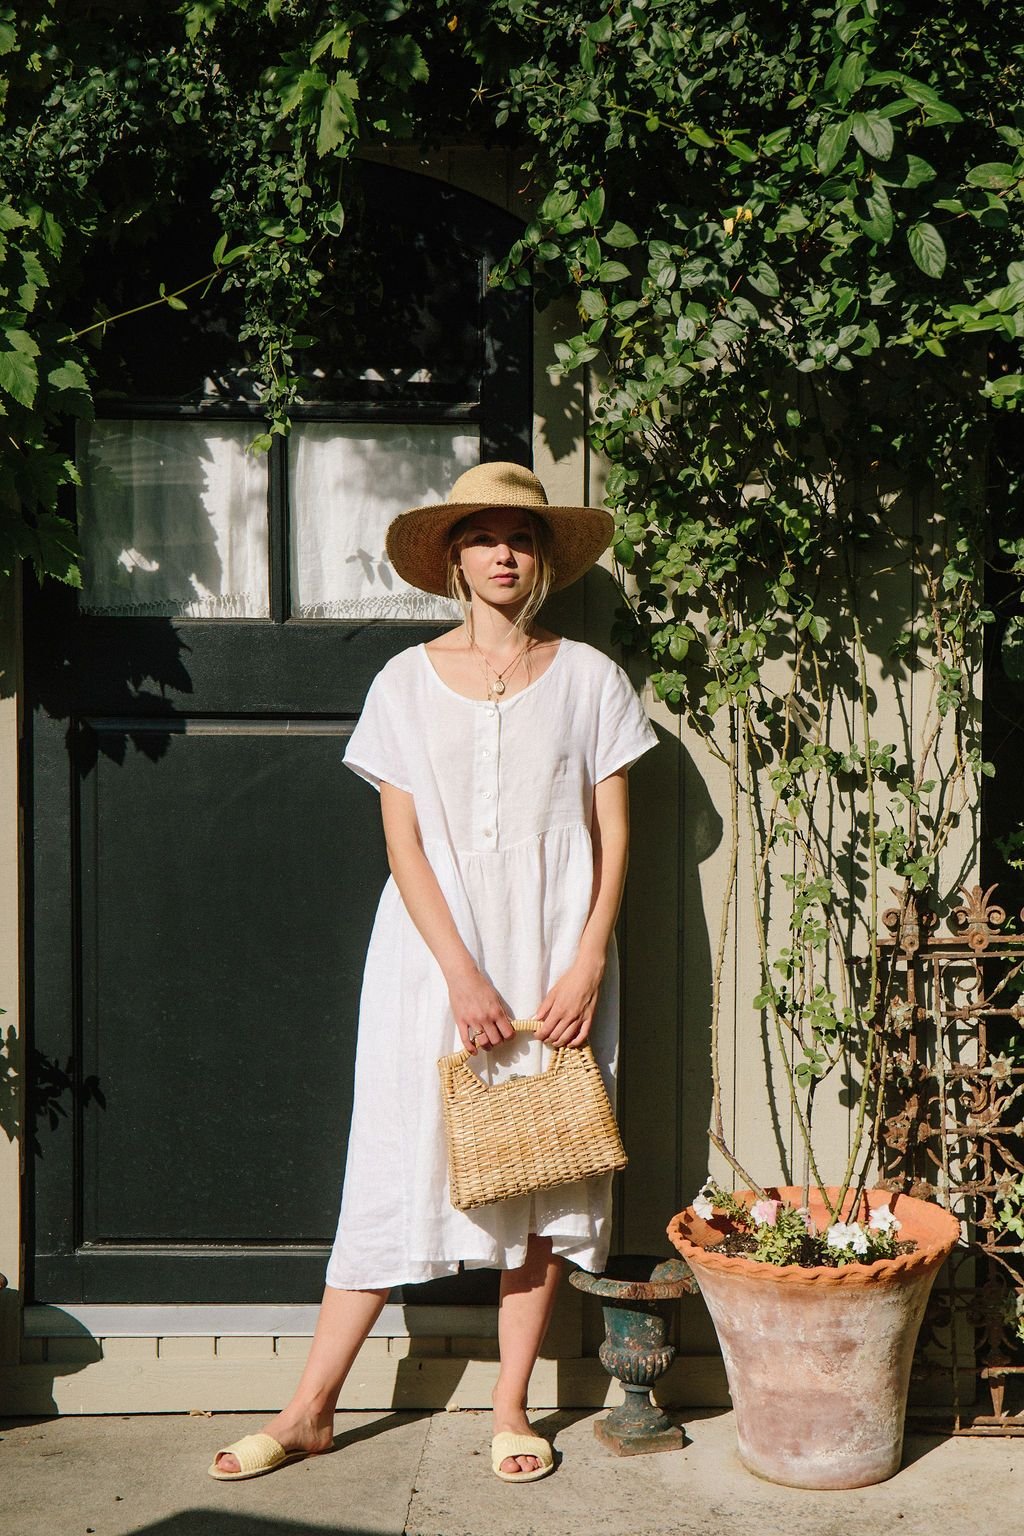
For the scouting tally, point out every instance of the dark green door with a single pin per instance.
(203, 870)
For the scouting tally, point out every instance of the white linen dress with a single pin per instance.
(503, 793)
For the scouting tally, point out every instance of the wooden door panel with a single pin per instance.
(226, 876)
(228, 882)
(201, 870)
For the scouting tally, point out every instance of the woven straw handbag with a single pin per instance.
(528, 1133)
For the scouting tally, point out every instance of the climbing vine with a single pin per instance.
(793, 238)
(793, 235)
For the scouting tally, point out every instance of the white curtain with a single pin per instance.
(173, 519)
(347, 483)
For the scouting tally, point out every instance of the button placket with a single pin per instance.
(485, 809)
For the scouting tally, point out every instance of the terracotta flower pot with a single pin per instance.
(818, 1360)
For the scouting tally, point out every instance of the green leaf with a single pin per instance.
(220, 248)
(942, 113)
(874, 214)
(698, 136)
(612, 272)
(918, 172)
(995, 175)
(202, 15)
(764, 280)
(35, 272)
(173, 302)
(21, 341)
(791, 221)
(1012, 650)
(924, 95)
(338, 40)
(743, 152)
(851, 76)
(928, 249)
(10, 218)
(584, 111)
(773, 142)
(336, 115)
(556, 205)
(600, 31)
(18, 377)
(69, 376)
(832, 145)
(873, 133)
(593, 207)
(8, 38)
(620, 236)
(333, 219)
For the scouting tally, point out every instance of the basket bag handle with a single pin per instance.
(522, 1027)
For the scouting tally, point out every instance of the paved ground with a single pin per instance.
(422, 1475)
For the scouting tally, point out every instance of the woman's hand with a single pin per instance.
(567, 1012)
(480, 1014)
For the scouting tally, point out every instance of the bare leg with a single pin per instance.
(307, 1424)
(527, 1299)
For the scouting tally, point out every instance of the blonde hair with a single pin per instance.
(544, 575)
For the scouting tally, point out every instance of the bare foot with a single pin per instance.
(295, 1432)
(512, 1420)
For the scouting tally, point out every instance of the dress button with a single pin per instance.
(486, 752)
(488, 795)
(488, 831)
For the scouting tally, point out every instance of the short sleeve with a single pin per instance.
(374, 748)
(624, 732)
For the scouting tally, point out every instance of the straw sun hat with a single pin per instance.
(417, 541)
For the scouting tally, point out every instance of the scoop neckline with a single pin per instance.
(498, 703)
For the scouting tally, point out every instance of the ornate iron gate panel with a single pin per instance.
(953, 1054)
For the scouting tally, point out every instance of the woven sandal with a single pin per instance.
(508, 1444)
(256, 1454)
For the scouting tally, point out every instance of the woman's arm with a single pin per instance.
(567, 1012)
(475, 1004)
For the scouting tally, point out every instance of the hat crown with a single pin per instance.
(500, 483)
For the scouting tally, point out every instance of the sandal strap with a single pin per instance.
(255, 1451)
(510, 1444)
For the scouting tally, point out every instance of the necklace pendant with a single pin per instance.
(497, 687)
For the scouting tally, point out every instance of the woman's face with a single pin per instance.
(497, 556)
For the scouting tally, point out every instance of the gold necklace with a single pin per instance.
(497, 688)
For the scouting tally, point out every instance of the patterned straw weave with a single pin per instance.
(527, 1133)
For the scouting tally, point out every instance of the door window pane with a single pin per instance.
(347, 483)
(173, 519)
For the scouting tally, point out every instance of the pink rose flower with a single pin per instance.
(765, 1212)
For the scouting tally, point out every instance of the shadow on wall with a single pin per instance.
(53, 1090)
(29, 1392)
(666, 988)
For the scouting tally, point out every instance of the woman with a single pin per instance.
(500, 753)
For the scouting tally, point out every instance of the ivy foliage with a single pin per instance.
(111, 117)
(793, 235)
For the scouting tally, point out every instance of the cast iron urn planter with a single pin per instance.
(637, 1294)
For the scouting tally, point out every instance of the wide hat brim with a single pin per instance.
(417, 541)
